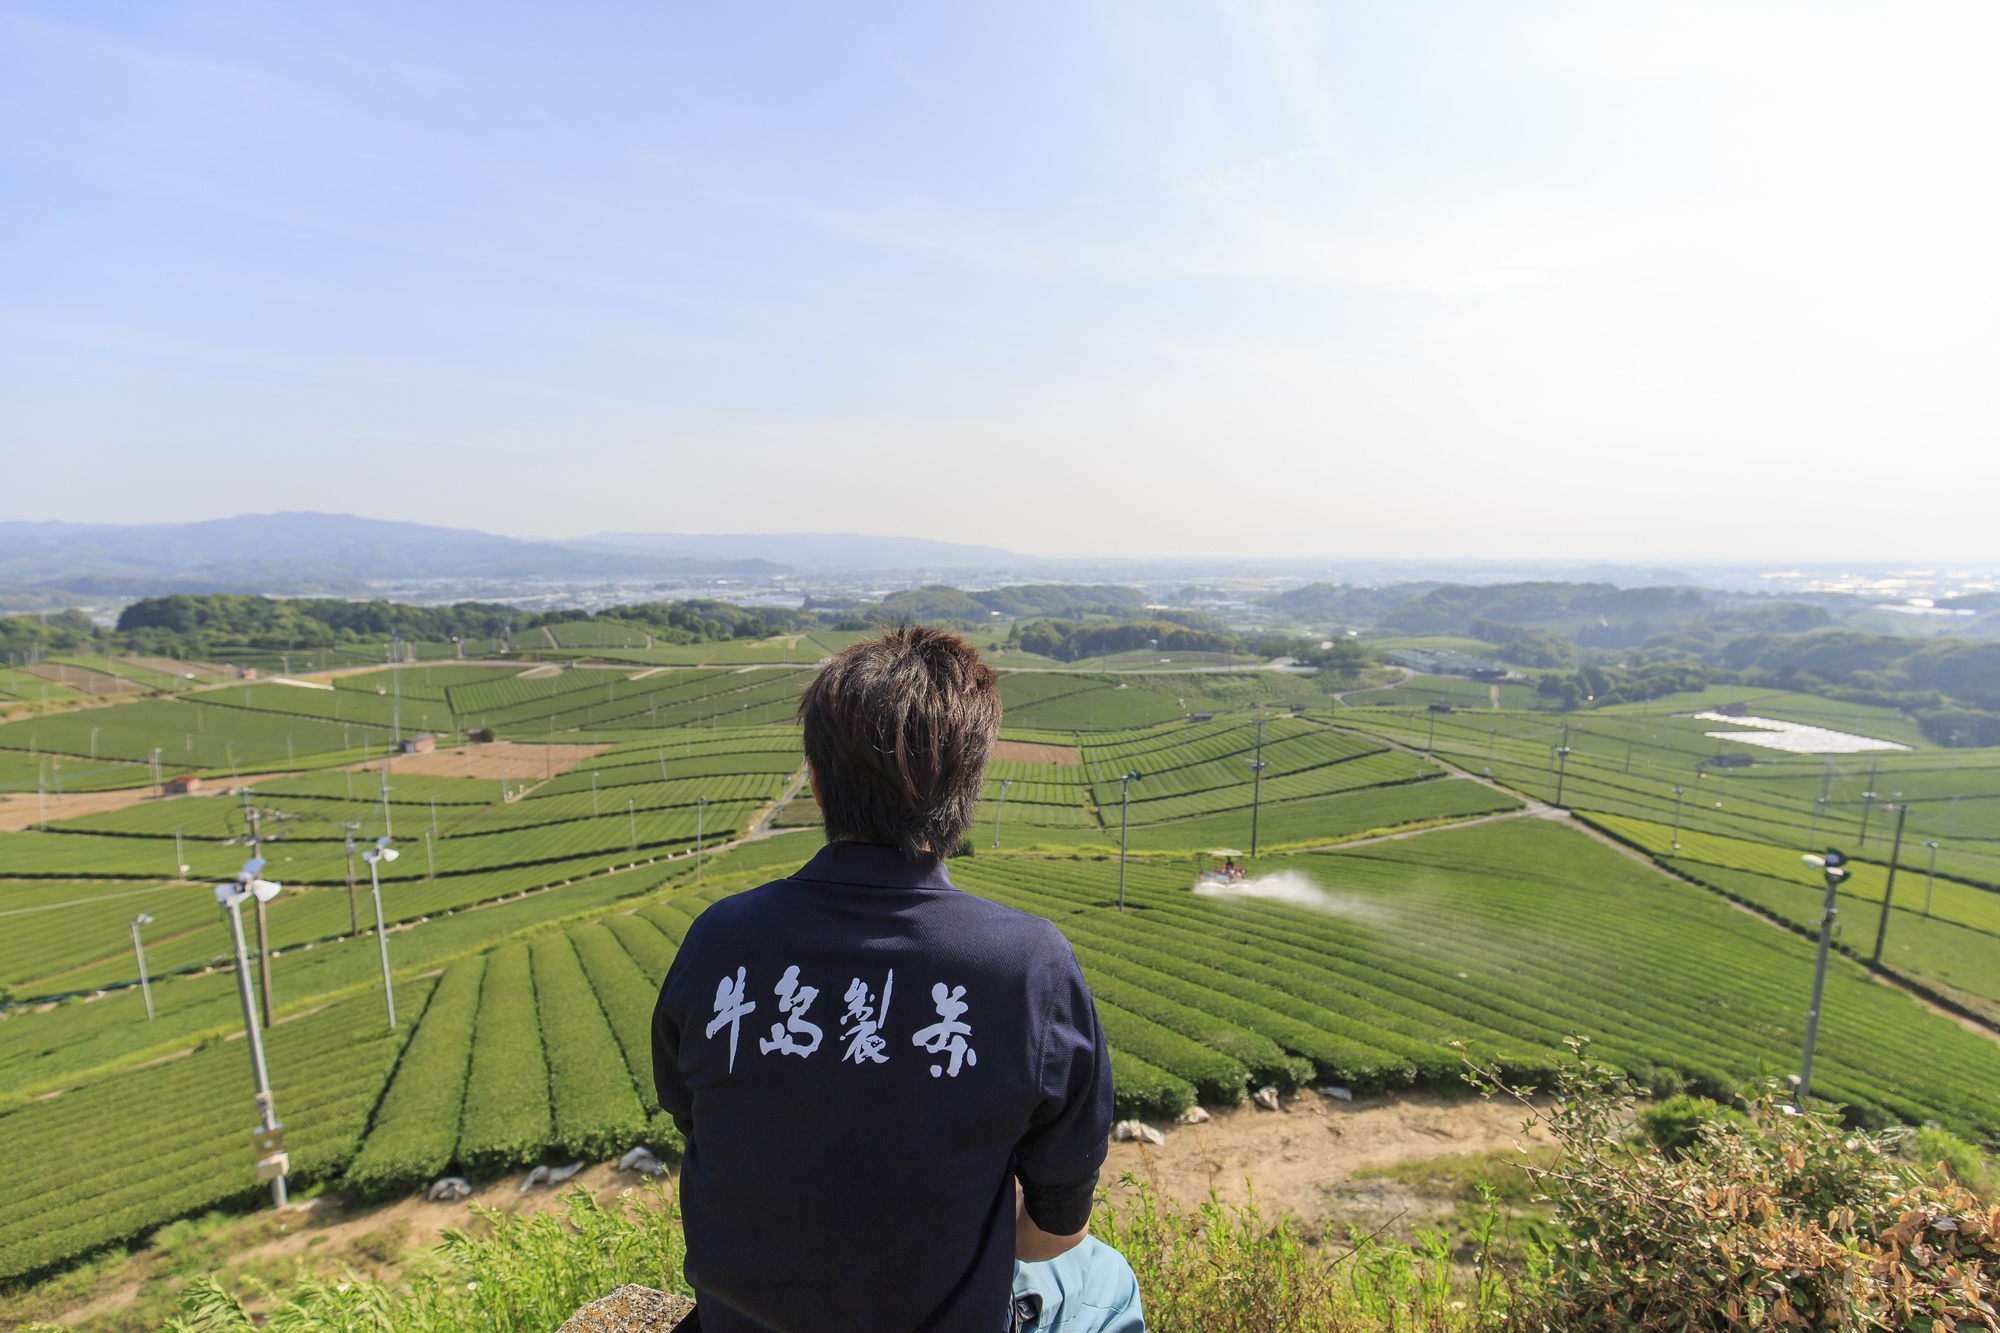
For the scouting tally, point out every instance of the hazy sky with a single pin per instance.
(1656, 281)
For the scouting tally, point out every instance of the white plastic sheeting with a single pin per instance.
(1794, 737)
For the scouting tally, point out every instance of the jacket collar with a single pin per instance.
(874, 866)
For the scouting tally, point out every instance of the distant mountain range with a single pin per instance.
(301, 552)
(307, 552)
(812, 550)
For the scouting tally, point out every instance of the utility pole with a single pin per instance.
(396, 680)
(268, 1139)
(145, 984)
(1562, 763)
(387, 830)
(263, 936)
(1833, 864)
(1930, 879)
(634, 819)
(382, 852)
(1868, 799)
(1678, 792)
(1000, 808)
(353, 910)
(1257, 767)
(700, 807)
(1889, 889)
(1124, 825)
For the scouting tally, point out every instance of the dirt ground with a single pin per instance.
(1303, 1160)
(499, 759)
(1028, 752)
(1311, 1160)
(20, 811)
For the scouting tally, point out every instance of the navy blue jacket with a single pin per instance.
(863, 1058)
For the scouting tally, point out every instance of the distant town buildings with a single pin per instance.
(1429, 662)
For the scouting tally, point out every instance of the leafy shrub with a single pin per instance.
(1780, 1218)
(1674, 1125)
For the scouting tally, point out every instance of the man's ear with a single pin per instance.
(812, 783)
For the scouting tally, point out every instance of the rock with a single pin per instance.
(562, 1173)
(1267, 1097)
(641, 1159)
(632, 1309)
(1338, 1094)
(1194, 1115)
(1136, 1131)
(449, 1190)
(535, 1177)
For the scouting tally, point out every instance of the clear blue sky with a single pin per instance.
(1620, 280)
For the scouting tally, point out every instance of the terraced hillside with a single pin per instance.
(537, 911)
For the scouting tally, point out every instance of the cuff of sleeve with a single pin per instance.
(1060, 1210)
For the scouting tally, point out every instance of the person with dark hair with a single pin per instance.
(895, 1094)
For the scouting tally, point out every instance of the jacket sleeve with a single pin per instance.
(669, 1082)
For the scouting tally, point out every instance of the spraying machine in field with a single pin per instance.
(1221, 869)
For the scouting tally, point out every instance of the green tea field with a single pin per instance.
(547, 876)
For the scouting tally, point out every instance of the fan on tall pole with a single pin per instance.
(375, 856)
(1124, 824)
(1834, 866)
(139, 948)
(268, 1138)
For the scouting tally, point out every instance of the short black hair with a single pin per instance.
(898, 730)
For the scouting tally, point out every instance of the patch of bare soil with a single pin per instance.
(1303, 1160)
(1029, 752)
(25, 811)
(499, 759)
(88, 680)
